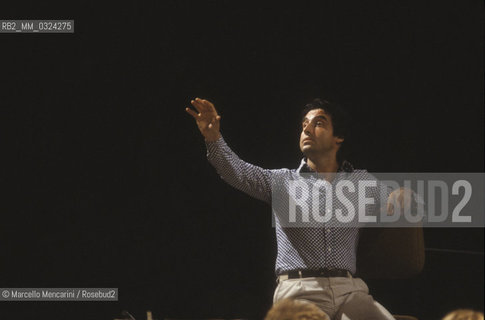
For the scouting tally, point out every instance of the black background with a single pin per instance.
(105, 178)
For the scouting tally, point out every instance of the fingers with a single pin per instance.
(209, 105)
(197, 103)
(192, 113)
(405, 198)
(214, 122)
(400, 200)
(390, 209)
(392, 202)
(204, 108)
(202, 104)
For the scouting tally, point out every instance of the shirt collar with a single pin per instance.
(345, 166)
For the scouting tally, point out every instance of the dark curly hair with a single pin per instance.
(339, 116)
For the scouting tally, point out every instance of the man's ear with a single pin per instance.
(339, 140)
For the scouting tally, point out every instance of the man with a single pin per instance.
(313, 264)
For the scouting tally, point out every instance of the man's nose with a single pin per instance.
(308, 129)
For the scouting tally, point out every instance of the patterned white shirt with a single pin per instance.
(308, 248)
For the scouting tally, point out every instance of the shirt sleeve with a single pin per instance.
(253, 180)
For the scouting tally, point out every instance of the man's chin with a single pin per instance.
(307, 150)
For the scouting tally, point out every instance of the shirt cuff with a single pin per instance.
(214, 145)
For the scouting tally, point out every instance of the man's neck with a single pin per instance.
(327, 165)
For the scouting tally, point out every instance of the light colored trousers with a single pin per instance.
(340, 298)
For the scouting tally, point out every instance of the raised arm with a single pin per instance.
(251, 179)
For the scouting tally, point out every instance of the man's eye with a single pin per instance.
(319, 123)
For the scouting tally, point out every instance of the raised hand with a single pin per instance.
(207, 118)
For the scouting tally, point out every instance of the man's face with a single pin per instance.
(317, 134)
